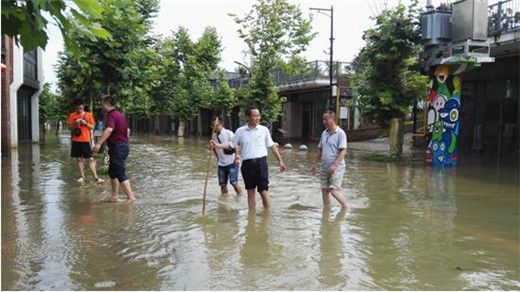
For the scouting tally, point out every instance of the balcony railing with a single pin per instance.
(315, 70)
(239, 82)
(504, 17)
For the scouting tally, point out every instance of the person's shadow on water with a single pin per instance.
(331, 250)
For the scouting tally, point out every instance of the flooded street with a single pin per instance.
(407, 226)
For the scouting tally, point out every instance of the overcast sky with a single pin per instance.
(351, 18)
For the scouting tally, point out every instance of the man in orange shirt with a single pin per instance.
(81, 123)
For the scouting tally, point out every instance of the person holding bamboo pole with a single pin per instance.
(254, 139)
(228, 160)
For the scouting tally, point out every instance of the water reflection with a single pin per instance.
(10, 204)
(407, 226)
(332, 250)
(255, 252)
(26, 223)
(221, 237)
(111, 262)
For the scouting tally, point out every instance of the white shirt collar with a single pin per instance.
(334, 131)
(251, 129)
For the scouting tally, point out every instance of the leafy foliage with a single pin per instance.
(273, 30)
(119, 65)
(296, 65)
(192, 65)
(50, 107)
(386, 77)
(25, 21)
(148, 75)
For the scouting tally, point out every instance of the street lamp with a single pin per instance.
(247, 68)
(331, 10)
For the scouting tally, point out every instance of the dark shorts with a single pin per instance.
(229, 172)
(118, 154)
(81, 150)
(256, 174)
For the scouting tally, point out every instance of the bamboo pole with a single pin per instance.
(207, 175)
(206, 183)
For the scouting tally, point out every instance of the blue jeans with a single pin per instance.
(228, 172)
(118, 154)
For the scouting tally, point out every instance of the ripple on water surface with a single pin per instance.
(406, 227)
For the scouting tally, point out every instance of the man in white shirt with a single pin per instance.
(254, 139)
(227, 160)
(331, 150)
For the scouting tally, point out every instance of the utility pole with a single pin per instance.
(331, 10)
(331, 53)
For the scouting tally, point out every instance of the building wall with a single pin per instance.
(292, 119)
(35, 112)
(16, 87)
(7, 77)
(17, 69)
(303, 111)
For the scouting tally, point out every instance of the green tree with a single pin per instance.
(167, 75)
(386, 78)
(51, 110)
(25, 21)
(194, 63)
(273, 30)
(295, 66)
(222, 98)
(118, 65)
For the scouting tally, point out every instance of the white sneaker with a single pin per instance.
(100, 180)
(80, 180)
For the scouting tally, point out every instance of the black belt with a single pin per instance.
(115, 144)
(255, 160)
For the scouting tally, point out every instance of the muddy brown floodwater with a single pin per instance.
(407, 226)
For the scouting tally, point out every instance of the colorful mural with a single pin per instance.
(443, 121)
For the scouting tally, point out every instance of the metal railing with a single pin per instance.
(315, 70)
(239, 82)
(504, 17)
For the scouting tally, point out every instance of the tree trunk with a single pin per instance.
(43, 130)
(182, 125)
(156, 125)
(57, 129)
(396, 137)
(199, 124)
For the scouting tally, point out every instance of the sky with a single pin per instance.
(351, 19)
